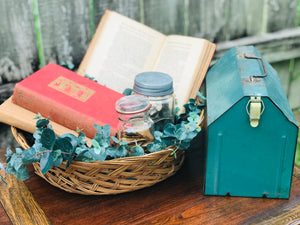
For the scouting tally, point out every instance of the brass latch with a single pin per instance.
(255, 108)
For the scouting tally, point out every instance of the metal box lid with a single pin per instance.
(242, 71)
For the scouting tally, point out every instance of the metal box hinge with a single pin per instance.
(255, 108)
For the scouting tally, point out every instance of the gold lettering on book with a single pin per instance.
(71, 88)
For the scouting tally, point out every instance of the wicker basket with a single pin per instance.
(111, 176)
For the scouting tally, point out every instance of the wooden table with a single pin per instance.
(177, 200)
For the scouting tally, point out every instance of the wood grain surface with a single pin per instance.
(177, 200)
(19, 203)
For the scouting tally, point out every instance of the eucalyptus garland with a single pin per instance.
(50, 150)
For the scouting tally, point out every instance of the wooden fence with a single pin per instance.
(36, 32)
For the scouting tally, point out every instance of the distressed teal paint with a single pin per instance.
(243, 160)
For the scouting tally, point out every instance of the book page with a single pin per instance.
(122, 48)
(179, 57)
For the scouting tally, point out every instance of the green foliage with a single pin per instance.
(50, 150)
(127, 91)
(91, 78)
(69, 65)
(41, 122)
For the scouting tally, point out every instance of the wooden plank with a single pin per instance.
(207, 18)
(6, 91)
(165, 16)
(65, 29)
(19, 203)
(6, 137)
(281, 14)
(3, 217)
(224, 20)
(18, 55)
(294, 94)
(289, 216)
(129, 8)
(243, 18)
(277, 46)
(282, 69)
(292, 89)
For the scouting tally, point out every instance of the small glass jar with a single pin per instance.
(134, 120)
(158, 87)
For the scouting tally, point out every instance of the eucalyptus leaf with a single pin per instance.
(123, 142)
(2, 178)
(22, 173)
(29, 156)
(97, 147)
(19, 151)
(65, 145)
(90, 77)
(38, 116)
(48, 138)
(58, 161)
(200, 95)
(46, 162)
(181, 134)
(169, 130)
(56, 154)
(173, 153)
(71, 138)
(99, 155)
(111, 152)
(192, 101)
(10, 169)
(127, 91)
(16, 161)
(8, 155)
(2, 167)
(137, 150)
(116, 140)
(81, 138)
(70, 157)
(158, 135)
(42, 123)
(83, 155)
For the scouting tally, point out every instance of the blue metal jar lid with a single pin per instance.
(153, 84)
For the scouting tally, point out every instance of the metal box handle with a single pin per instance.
(262, 63)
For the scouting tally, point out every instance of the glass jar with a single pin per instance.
(134, 120)
(158, 87)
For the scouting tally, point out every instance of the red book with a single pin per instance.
(68, 99)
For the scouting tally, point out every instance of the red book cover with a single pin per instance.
(68, 99)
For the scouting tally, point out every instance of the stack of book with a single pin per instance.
(120, 49)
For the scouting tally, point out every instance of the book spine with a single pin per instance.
(57, 112)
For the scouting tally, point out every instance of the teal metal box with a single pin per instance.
(252, 132)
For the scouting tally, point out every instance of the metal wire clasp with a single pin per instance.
(255, 110)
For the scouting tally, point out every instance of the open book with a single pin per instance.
(122, 48)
